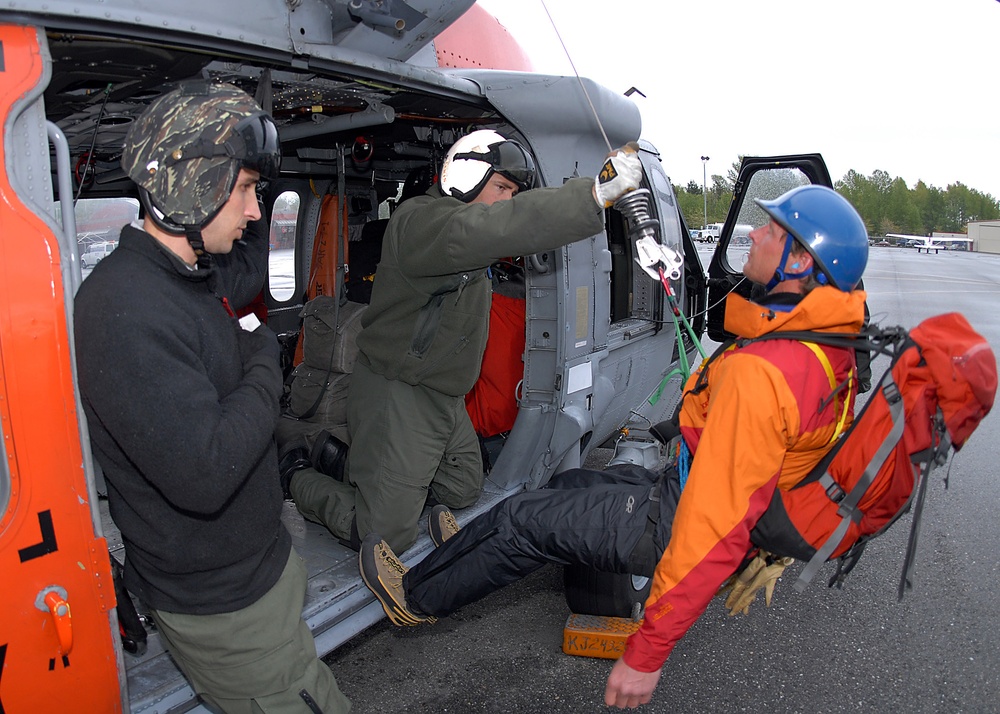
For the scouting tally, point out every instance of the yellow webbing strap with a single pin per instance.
(831, 375)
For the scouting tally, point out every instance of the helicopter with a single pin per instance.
(366, 94)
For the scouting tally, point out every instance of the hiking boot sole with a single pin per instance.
(441, 525)
(381, 585)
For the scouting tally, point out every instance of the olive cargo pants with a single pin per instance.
(258, 660)
(406, 442)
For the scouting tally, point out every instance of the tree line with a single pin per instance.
(886, 204)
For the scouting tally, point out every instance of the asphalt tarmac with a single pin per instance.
(825, 650)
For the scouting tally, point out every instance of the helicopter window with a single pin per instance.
(765, 184)
(99, 221)
(633, 294)
(621, 267)
(281, 258)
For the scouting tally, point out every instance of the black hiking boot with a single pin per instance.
(291, 461)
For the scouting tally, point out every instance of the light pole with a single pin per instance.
(704, 191)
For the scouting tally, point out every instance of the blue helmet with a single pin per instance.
(830, 229)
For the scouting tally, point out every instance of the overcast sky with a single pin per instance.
(905, 86)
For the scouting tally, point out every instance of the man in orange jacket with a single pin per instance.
(758, 419)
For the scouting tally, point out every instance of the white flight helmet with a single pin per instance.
(475, 157)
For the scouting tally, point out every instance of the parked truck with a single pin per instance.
(710, 233)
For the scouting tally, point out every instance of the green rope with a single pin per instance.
(684, 368)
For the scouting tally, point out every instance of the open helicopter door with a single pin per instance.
(58, 642)
(766, 178)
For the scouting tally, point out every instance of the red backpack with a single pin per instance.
(941, 382)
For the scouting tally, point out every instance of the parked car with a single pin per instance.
(95, 253)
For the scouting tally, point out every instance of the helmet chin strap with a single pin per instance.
(471, 194)
(204, 258)
(780, 275)
(192, 233)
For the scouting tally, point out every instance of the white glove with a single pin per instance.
(621, 173)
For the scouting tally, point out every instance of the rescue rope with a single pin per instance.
(583, 88)
(684, 367)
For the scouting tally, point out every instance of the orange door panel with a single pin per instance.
(57, 647)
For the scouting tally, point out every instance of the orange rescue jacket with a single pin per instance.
(764, 419)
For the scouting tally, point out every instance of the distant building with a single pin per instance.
(941, 235)
(985, 236)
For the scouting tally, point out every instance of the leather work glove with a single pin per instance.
(621, 173)
(761, 572)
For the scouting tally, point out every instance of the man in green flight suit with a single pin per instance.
(424, 333)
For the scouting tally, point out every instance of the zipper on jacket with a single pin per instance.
(457, 347)
(429, 317)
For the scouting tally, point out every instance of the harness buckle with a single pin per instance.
(833, 490)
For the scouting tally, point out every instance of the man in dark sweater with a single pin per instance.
(182, 400)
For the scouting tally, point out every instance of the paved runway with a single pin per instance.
(851, 650)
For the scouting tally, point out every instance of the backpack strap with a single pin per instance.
(848, 508)
(308, 413)
(873, 339)
(936, 456)
(702, 380)
(834, 387)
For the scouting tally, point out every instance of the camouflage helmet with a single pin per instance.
(187, 148)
